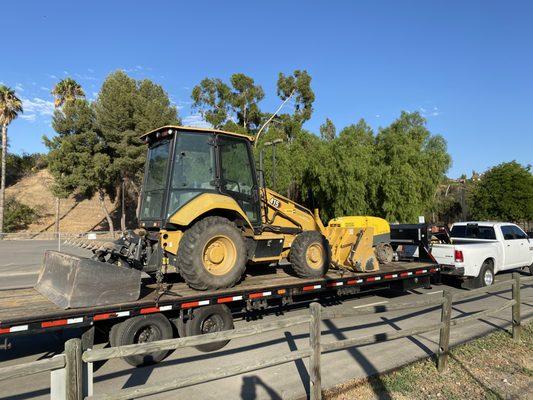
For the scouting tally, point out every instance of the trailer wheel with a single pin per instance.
(210, 319)
(142, 329)
(212, 254)
(310, 255)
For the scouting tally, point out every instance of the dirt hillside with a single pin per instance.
(76, 216)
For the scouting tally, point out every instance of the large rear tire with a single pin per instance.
(212, 254)
(142, 329)
(310, 255)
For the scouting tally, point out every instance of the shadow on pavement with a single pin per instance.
(377, 385)
(249, 388)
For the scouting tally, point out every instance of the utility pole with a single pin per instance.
(267, 144)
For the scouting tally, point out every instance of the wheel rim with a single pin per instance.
(488, 278)
(146, 334)
(314, 256)
(213, 323)
(219, 255)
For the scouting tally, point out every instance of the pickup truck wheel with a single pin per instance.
(143, 329)
(209, 319)
(486, 275)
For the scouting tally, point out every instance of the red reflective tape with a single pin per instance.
(225, 299)
(255, 295)
(371, 279)
(389, 276)
(433, 270)
(100, 317)
(149, 310)
(308, 288)
(4, 330)
(420, 271)
(404, 274)
(189, 305)
(57, 322)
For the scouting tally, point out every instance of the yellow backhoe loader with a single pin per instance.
(204, 213)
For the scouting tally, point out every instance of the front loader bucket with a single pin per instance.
(72, 282)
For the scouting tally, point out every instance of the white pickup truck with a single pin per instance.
(478, 250)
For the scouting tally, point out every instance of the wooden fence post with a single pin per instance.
(73, 367)
(315, 378)
(517, 322)
(444, 339)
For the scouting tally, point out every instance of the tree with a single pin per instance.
(229, 107)
(79, 159)
(327, 130)
(409, 163)
(10, 108)
(504, 192)
(66, 90)
(341, 172)
(212, 98)
(244, 99)
(298, 87)
(124, 110)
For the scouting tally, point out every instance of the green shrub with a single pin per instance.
(18, 216)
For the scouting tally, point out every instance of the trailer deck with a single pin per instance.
(25, 310)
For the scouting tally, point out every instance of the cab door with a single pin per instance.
(516, 247)
(237, 175)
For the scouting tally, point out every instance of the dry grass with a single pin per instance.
(76, 215)
(492, 367)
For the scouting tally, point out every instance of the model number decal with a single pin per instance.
(274, 202)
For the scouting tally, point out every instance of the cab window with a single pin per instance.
(511, 232)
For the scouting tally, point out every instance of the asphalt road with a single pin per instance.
(20, 260)
(287, 381)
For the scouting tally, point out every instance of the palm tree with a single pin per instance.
(10, 107)
(66, 90)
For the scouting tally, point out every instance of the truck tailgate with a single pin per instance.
(444, 254)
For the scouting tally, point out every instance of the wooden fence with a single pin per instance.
(72, 371)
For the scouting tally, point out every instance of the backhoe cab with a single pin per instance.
(204, 214)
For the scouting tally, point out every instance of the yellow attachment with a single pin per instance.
(219, 255)
(380, 225)
(351, 248)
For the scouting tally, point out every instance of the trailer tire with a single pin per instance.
(210, 319)
(113, 334)
(212, 254)
(310, 255)
(141, 329)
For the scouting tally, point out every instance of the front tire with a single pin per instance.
(210, 319)
(212, 254)
(310, 255)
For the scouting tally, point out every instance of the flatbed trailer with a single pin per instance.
(27, 312)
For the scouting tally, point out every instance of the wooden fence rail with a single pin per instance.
(72, 371)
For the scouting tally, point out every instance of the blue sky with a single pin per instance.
(467, 66)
